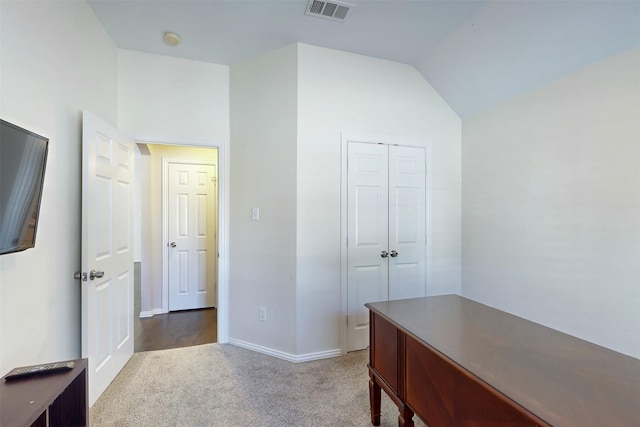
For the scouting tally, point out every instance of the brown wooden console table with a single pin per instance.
(455, 362)
(52, 400)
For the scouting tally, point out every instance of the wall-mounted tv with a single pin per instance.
(23, 157)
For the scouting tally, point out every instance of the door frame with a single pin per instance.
(165, 222)
(345, 138)
(223, 224)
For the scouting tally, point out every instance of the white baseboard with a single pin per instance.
(151, 313)
(286, 356)
(318, 355)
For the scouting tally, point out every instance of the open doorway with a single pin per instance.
(176, 329)
(159, 324)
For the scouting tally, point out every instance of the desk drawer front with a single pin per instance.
(443, 395)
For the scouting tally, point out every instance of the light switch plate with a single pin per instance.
(255, 214)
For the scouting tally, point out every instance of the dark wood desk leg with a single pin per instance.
(374, 397)
(405, 419)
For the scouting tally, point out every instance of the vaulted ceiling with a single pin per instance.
(476, 54)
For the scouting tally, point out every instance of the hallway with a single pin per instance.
(176, 329)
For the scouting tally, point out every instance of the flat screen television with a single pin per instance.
(23, 157)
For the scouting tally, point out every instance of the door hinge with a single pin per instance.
(347, 320)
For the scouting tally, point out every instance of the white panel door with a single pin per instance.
(107, 251)
(386, 224)
(407, 222)
(192, 234)
(367, 238)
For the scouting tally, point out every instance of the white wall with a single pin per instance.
(551, 205)
(263, 175)
(173, 101)
(342, 92)
(55, 61)
(289, 108)
(164, 99)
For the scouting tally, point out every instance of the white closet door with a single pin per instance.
(386, 239)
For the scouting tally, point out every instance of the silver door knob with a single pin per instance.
(96, 274)
(384, 254)
(394, 254)
(173, 244)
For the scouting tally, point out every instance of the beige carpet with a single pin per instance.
(224, 385)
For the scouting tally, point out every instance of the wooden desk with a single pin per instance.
(58, 399)
(455, 362)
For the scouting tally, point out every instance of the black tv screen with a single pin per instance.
(23, 157)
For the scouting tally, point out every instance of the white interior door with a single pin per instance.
(386, 224)
(192, 233)
(107, 251)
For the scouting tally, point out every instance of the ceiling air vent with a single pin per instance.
(334, 10)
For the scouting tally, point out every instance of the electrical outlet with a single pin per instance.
(263, 314)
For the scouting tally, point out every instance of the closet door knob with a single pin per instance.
(93, 274)
(384, 254)
(394, 254)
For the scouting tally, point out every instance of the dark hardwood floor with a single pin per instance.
(176, 329)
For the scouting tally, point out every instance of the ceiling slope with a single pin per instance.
(476, 54)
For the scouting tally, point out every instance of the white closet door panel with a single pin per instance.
(367, 236)
(407, 222)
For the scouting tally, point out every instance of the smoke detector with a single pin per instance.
(333, 10)
(172, 39)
